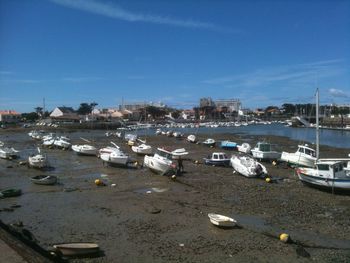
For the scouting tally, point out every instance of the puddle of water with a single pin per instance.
(150, 190)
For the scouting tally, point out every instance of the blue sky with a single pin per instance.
(261, 52)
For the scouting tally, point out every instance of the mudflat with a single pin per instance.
(146, 217)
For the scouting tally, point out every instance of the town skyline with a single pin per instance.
(262, 53)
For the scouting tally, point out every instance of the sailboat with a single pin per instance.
(331, 174)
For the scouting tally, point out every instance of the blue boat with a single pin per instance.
(228, 145)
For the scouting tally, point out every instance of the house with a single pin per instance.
(188, 115)
(9, 116)
(64, 114)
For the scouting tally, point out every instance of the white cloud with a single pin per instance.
(337, 93)
(116, 12)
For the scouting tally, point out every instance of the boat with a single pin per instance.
(162, 161)
(209, 142)
(116, 157)
(304, 156)
(44, 179)
(192, 138)
(247, 166)
(217, 159)
(263, 151)
(77, 249)
(84, 149)
(244, 147)
(38, 161)
(142, 149)
(8, 153)
(11, 192)
(62, 142)
(228, 145)
(330, 174)
(221, 220)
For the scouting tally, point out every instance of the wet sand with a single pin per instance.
(152, 218)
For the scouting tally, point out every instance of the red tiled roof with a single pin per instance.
(9, 112)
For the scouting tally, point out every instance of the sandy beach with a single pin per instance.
(151, 218)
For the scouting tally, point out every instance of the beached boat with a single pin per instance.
(304, 156)
(62, 142)
(162, 161)
(263, 151)
(217, 159)
(84, 149)
(77, 249)
(247, 166)
(44, 179)
(11, 192)
(142, 149)
(330, 174)
(116, 157)
(221, 220)
(244, 147)
(228, 145)
(209, 142)
(8, 153)
(38, 161)
(192, 138)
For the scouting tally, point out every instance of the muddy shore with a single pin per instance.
(152, 218)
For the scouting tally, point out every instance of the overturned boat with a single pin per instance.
(247, 166)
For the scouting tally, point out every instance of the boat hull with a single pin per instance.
(157, 165)
(339, 184)
(77, 249)
(298, 160)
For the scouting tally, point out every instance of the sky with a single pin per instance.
(260, 52)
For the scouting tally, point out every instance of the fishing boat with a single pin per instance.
(11, 192)
(142, 149)
(228, 145)
(217, 159)
(247, 166)
(304, 156)
(192, 138)
(38, 161)
(330, 174)
(77, 249)
(84, 149)
(62, 142)
(162, 161)
(8, 153)
(263, 151)
(209, 142)
(44, 179)
(221, 220)
(244, 147)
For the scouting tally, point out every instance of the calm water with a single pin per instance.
(333, 138)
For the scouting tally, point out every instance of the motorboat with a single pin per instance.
(142, 149)
(304, 156)
(192, 138)
(209, 142)
(162, 161)
(8, 153)
(116, 158)
(77, 249)
(84, 149)
(221, 220)
(217, 159)
(228, 145)
(330, 174)
(38, 161)
(61, 142)
(263, 151)
(44, 179)
(244, 147)
(247, 166)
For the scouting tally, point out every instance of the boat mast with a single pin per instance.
(317, 124)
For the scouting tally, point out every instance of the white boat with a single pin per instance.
(142, 149)
(8, 153)
(330, 174)
(191, 138)
(44, 179)
(221, 220)
(84, 149)
(62, 143)
(77, 249)
(304, 156)
(244, 147)
(247, 166)
(162, 161)
(116, 157)
(263, 151)
(38, 161)
(209, 142)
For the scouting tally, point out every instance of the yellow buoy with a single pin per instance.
(284, 237)
(98, 182)
(268, 180)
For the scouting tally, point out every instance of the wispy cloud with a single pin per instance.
(24, 81)
(116, 12)
(337, 93)
(81, 79)
(6, 72)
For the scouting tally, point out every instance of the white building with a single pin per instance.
(64, 113)
(9, 116)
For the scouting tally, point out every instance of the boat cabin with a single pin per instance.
(218, 156)
(304, 149)
(331, 169)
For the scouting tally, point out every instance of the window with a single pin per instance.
(323, 167)
(215, 156)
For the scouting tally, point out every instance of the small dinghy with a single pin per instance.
(209, 142)
(222, 221)
(192, 138)
(228, 145)
(244, 147)
(44, 179)
(77, 249)
(10, 192)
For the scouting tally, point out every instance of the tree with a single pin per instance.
(39, 111)
(86, 108)
(32, 116)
